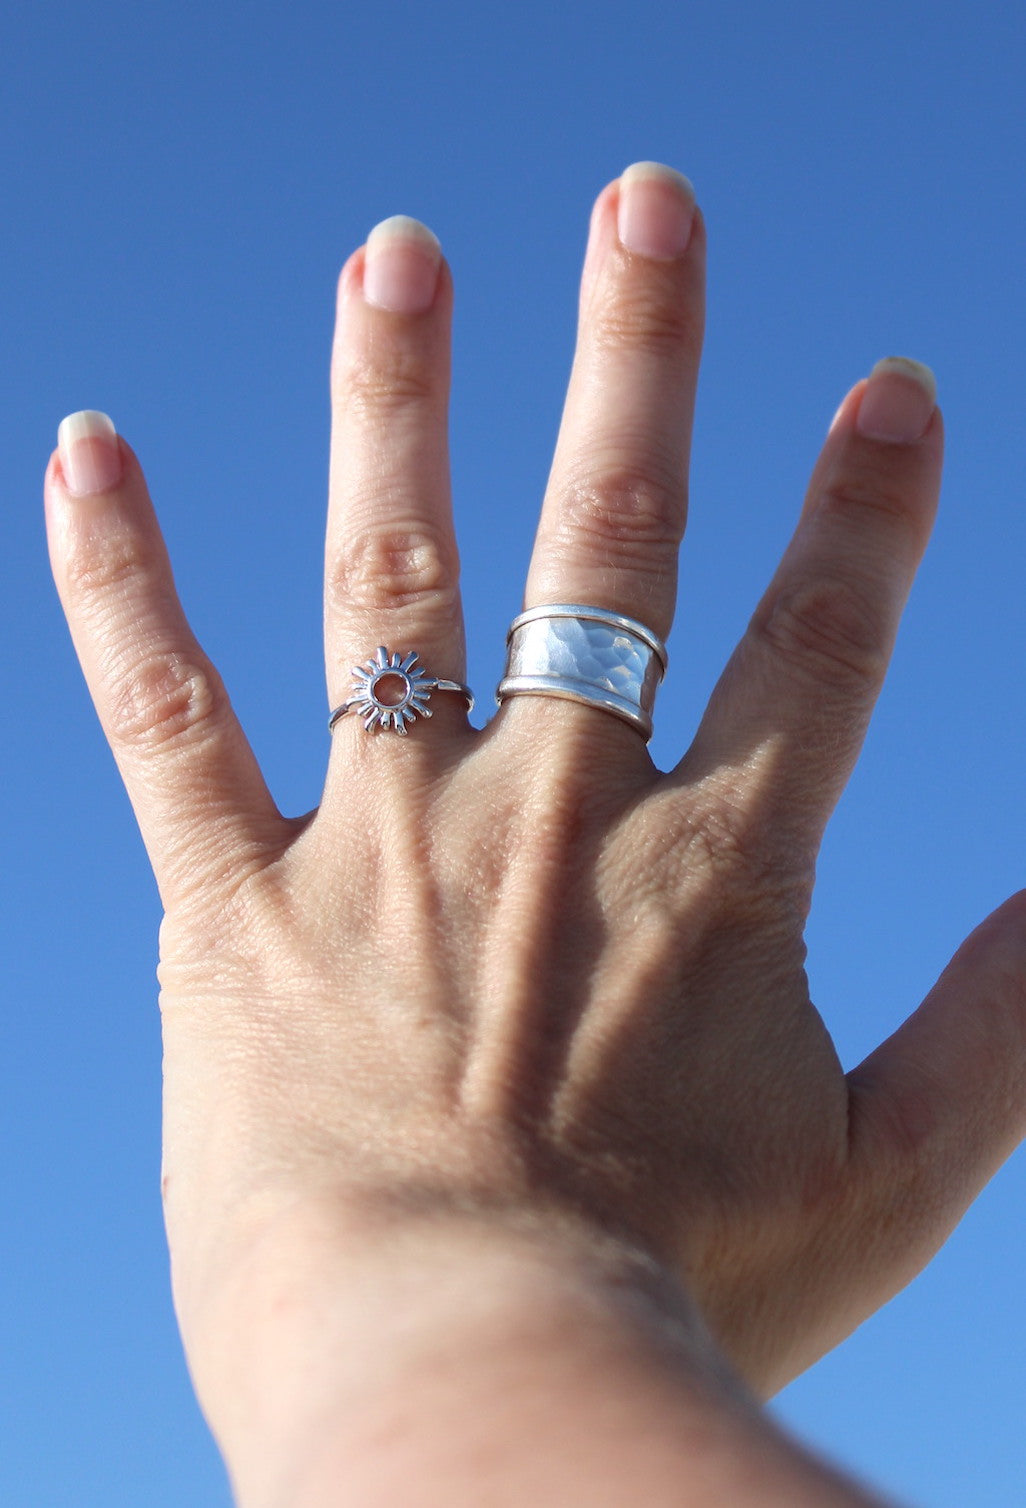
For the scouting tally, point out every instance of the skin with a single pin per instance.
(594, 1059)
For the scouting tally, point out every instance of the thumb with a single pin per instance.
(940, 1105)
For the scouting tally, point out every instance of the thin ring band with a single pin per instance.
(585, 654)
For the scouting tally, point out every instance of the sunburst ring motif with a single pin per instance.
(391, 711)
(392, 690)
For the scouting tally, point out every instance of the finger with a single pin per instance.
(786, 722)
(392, 570)
(940, 1105)
(616, 501)
(197, 791)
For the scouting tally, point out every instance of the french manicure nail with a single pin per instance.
(89, 452)
(401, 268)
(656, 211)
(898, 402)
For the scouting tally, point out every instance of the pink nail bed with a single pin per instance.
(401, 266)
(898, 402)
(656, 211)
(89, 452)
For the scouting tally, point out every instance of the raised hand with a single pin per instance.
(517, 977)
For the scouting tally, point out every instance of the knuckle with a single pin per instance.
(719, 840)
(386, 377)
(647, 315)
(827, 630)
(395, 566)
(869, 492)
(101, 567)
(728, 864)
(165, 699)
(638, 504)
(714, 834)
(723, 841)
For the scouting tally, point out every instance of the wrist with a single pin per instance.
(525, 1357)
(327, 1327)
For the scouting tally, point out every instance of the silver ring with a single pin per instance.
(585, 654)
(409, 691)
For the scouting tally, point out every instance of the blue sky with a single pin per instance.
(180, 184)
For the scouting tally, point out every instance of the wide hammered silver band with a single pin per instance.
(392, 690)
(585, 654)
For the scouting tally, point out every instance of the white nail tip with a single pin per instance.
(904, 366)
(657, 170)
(87, 424)
(405, 228)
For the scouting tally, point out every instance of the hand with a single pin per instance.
(518, 973)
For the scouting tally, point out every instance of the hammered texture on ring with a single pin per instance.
(585, 654)
(391, 690)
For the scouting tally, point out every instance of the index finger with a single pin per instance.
(793, 705)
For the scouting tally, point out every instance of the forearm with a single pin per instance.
(458, 1364)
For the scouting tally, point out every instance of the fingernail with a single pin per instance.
(656, 211)
(401, 268)
(89, 452)
(899, 401)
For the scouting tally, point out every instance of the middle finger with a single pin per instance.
(616, 501)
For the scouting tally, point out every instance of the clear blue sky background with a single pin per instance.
(179, 184)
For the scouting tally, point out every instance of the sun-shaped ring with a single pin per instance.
(391, 690)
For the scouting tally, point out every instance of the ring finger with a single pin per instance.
(391, 570)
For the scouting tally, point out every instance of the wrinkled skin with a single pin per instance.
(519, 969)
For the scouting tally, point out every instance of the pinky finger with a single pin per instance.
(194, 783)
